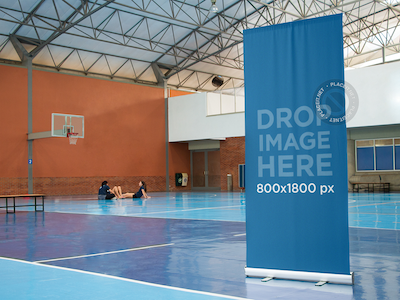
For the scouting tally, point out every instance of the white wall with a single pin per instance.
(378, 89)
(218, 103)
(188, 120)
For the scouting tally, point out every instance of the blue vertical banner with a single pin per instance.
(296, 152)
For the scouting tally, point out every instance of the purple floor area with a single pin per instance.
(200, 255)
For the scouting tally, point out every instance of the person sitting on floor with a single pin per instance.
(105, 190)
(142, 192)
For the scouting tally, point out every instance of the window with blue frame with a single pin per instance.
(378, 155)
(365, 159)
(384, 154)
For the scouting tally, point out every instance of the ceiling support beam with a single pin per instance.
(203, 58)
(161, 79)
(63, 29)
(21, 51)
(28, 17)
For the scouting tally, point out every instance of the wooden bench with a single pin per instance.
(370, 186)
(13, 205)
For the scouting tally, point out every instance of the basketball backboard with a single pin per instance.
(62, 124)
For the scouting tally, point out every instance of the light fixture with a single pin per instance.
(214, 8)
(217, 81)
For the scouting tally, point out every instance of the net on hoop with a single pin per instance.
(73, 138)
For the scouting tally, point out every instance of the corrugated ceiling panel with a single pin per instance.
(8, 52)
(7, 27)
(115, 63)
(73, 62)
(98, 19)
(44, 58)
(59, 53)
(27, 5)
(126, 71)
(88, 58)
(28, 31)
(148, 75)
(100, 67)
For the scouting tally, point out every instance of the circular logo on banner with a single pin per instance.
(335, 101)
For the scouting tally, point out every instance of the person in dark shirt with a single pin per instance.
(105, 190)
(142, 192)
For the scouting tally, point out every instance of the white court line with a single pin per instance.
(104, 253)
(240, 234)
(172, 211)
(374, 204)
(126, 279)
(127, 214)
(372, 213)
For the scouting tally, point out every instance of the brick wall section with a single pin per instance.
(85, 185)
(10, 186)
(78, 185)
(232, 152)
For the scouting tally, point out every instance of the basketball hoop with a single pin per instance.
(73, 138)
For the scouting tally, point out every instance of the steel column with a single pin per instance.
(28, 61)
(166, 137)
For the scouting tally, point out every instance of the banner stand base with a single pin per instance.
(301, 276)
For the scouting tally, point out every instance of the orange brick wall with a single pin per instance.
(13, 185)
(13, 123)
(124, 127)
(232, 153)
(124, 135)
(83, 185)
(91, 185)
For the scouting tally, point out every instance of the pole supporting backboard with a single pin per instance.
(39, 135)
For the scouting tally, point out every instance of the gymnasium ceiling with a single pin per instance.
(178, 41)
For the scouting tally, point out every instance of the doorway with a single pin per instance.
(206, 170)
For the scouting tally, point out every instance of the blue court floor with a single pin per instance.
(176, 246)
